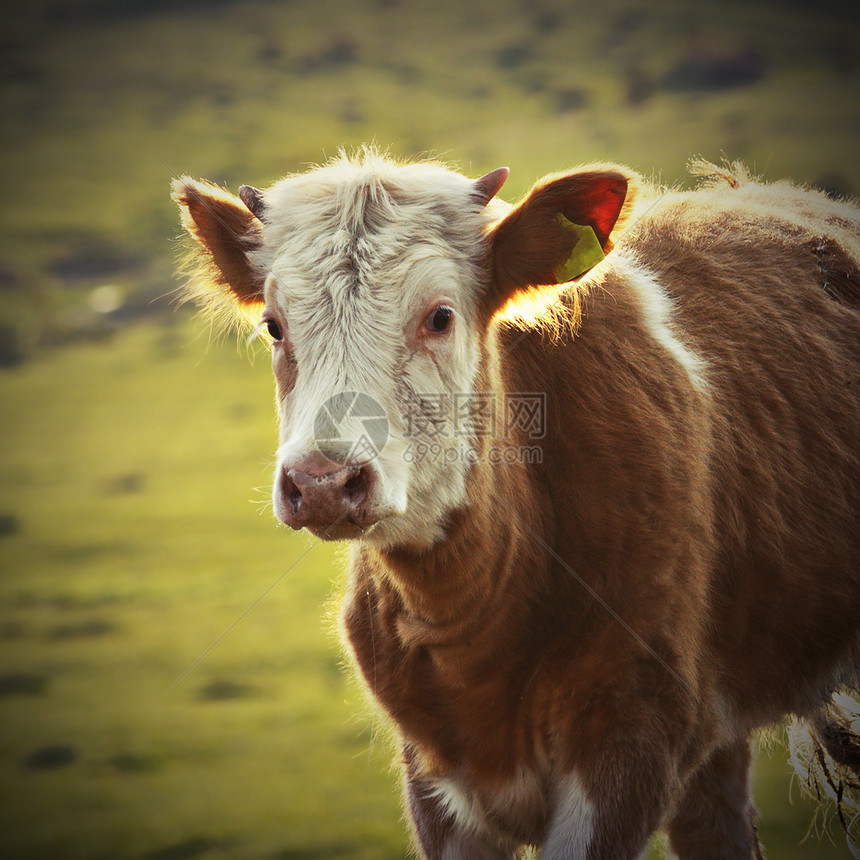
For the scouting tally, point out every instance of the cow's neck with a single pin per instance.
(466, 585)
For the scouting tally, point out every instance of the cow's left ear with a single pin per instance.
(559, 230)
(229, 240)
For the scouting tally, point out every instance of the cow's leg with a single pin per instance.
(614, 814)
(611, 818)
(439, 833)
(624, 766)
(716, 816)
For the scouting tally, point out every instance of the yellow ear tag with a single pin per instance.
(585, 254)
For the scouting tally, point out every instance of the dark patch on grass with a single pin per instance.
(534, 82)
(133, 763)
(570, 99)
(13, 630)
(80, 325)
(22, 684)
(480, 92)
(241, 412)
(514, 55)
(639, 85)
(84, 553)
(224, 689)
(88, 256)
(144, 302)
(29, 600)
(10, 278)
(11, 346)
(621, 29)
(89, 629)
(405, 72)
(124, 485)
(9, 523)
(50, 758)
(705, 70)
(351, 112)
(544, 20)
(341, 51)
(193, 847)
(270, 50)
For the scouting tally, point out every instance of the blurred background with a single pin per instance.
(171, 684)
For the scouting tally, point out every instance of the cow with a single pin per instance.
(604, 521)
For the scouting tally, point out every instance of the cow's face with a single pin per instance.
(372, 302)
(373, 284)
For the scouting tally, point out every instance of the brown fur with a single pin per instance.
(682, 567)
(722, 528)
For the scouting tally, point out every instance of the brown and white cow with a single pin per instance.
(575, 647)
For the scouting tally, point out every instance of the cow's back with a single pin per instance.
(763, 288)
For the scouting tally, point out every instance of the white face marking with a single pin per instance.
(363, 252)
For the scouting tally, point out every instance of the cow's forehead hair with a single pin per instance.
(362, 223)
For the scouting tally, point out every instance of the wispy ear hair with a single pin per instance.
(225, 269)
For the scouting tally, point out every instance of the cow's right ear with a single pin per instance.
(229, 237)
(559, 231)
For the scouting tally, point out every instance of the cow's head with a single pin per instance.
(375, 284)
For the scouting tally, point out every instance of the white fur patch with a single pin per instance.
(656, 310)
(458, 804)
(362, 248)
(572, 825)
(520, 800)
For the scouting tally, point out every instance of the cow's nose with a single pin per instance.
(316, 492)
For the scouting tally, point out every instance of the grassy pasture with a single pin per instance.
(134, 533)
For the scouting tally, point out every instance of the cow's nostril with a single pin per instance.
(315, 492)
(355, 489)
(292, 494)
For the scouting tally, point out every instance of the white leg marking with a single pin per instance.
(457, 803)
(474, 840)
(572, 824)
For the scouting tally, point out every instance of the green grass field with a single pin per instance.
(171, 684)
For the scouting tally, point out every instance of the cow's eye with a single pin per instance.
(439, 319)
(274, 330)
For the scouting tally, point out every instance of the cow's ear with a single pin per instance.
(227, 263)
(560, 230)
